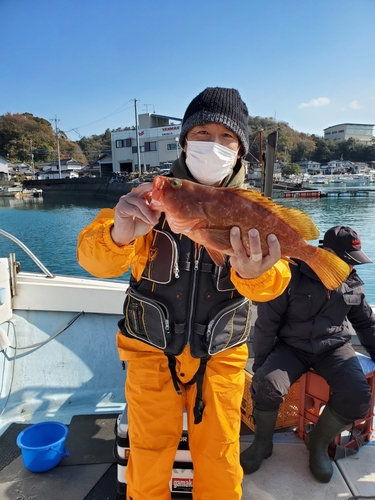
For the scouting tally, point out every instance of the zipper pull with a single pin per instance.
(176, 270)
(209, 329)
(197, 256)
(166, 325)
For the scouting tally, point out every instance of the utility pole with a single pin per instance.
(136, 131)
(270, 162)
(32, 158)
(261, 162)
(58, 144)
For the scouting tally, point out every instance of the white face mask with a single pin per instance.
(209, 162)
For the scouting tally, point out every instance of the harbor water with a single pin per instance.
(50, 228)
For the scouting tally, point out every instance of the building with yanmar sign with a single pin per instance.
(158, 144)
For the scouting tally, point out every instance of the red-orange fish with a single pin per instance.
(206, 214)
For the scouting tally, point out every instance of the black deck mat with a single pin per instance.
(106, 488)
(90, 440)
(86, 482)
(60, 483)
(8, 444)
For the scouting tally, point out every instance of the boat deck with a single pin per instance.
(90, 470)
(78, 379)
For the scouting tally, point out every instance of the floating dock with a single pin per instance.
(302, 194)
(346, 194)
(331, 194)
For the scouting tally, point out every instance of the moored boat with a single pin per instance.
(10, 191)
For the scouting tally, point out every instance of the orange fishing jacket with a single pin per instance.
(100, 256)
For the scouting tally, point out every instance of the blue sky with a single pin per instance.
(310, 63)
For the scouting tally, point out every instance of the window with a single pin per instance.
(334, 132)
(150, 146)
(141, 149)
(172, 146)
(356, 130)
(328, 133)
(124, 143)
(341, 131)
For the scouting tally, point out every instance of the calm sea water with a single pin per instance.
(50, 228)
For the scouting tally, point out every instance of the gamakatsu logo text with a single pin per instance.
(182, 484)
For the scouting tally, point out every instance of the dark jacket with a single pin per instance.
(313, 319)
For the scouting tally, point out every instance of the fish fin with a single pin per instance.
(217, 238)
(216, 256)
(331, 270)
(185, 225)
(296, 219)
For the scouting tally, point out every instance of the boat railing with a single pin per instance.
(28, 252)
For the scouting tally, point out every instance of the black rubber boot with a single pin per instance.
(327, 428)
(264, 426)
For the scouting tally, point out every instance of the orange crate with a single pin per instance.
(314, 395)
(288, 411)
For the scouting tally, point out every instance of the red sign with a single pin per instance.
(177, 127)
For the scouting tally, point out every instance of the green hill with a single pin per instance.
(24, 135)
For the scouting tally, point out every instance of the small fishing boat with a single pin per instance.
(34, 192)
(10, 191)
(58, 362)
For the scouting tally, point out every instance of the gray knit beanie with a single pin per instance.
(218, 105)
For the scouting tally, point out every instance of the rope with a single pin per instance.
(16, 348)
(38, 344)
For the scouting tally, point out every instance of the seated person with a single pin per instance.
(308, 327)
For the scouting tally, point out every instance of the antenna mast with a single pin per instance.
(58, 144)
(136, 131)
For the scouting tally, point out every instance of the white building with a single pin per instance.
(54, 173)
(310, 167)
(344, 131)
(69, 169)
(22, 168)
(158, 144)
(343, 166)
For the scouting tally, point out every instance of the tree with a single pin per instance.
(303, 150)
(290, 169)
(95, 145)
(325, 151)
(24, 135)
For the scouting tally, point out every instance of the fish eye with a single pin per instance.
(176, 183)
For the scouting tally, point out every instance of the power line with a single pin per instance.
(75, 129)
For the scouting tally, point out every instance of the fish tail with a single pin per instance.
(331, 270)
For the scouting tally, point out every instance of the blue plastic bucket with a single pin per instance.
(42, 445)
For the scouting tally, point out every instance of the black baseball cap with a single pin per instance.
(346, 243)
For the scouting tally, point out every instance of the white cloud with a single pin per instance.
(355, 105)
(314, 103)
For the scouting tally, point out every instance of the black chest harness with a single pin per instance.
(184, 298)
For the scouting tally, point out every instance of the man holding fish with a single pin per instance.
(195, 269)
